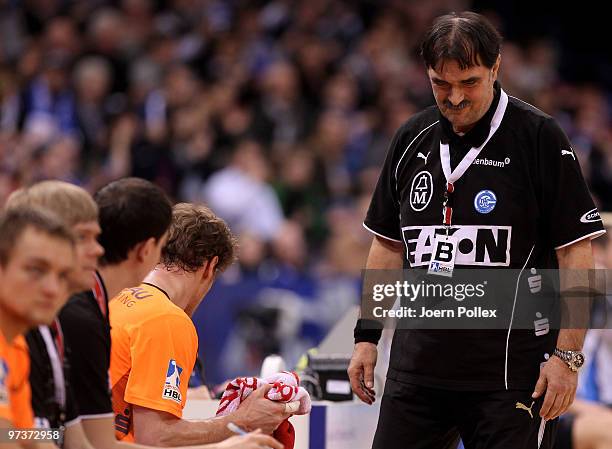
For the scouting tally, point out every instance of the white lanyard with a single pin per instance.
(56, 366)
(442, 262)
(452, 177)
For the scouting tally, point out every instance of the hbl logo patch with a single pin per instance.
(485, 201)
(421, 191)
(4, 397)
(173, 382)
(443, 260)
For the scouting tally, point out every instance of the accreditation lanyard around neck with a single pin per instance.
(454, 175)
(99, 293)
(55, 351)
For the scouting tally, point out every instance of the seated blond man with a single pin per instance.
(53, 401)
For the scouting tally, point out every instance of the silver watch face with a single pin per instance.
(578, 359)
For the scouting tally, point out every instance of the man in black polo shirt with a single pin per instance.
(518, 201)
(134, 216)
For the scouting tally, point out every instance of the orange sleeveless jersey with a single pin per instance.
(15, 393)
(153, 351)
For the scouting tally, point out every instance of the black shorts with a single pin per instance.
(416, 417)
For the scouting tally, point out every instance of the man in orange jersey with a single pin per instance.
(36, 257)
(154, 341)
(52, 399)
(15, 393)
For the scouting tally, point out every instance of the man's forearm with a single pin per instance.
(103, 433)
(385, 255)
(180, 432)
(575, 261)
(571, 339)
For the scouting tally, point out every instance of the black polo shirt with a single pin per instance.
(53, 402)
(87, 335)
(537, 202)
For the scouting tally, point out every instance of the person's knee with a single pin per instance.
(593, 430)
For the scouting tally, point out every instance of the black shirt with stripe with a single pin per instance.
(542, 202)
(87, 335)
(48, 411)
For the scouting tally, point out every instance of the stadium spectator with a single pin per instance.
(241, 196)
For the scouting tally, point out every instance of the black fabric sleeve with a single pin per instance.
(367, 331)
(72, 410)
(40, 374)
(383, 217)
(87, 339)
(569, 212)
(44, 404)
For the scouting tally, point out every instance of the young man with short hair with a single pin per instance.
(150, 386)
(79, 211)
(134, 215)
(52, 398)
(36, 258)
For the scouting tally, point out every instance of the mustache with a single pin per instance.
(462, 105)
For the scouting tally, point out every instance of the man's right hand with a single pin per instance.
(254, 440)
(259, 412)
(361, 371)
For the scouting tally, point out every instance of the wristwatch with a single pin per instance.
(574, 359)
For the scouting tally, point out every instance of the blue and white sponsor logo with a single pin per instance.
(3, 387)
(485, 201)
(172, 384)
(437, 267)
(173, 374)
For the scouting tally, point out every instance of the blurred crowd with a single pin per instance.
(277, 114)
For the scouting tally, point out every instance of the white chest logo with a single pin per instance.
(568, 152)
(422, 156)
(477, 245)
(421, 191)
(591, 216)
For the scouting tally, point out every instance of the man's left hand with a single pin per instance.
(559, 383)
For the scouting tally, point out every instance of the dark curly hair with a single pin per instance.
(196, 235)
